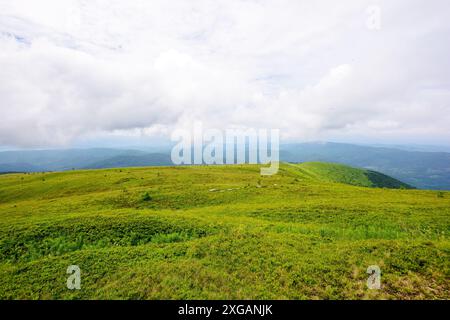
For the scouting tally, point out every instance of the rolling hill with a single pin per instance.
(221, 232)
(333, 172)
(424, 170)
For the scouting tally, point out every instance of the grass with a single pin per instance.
(221, 232)
(333, 172)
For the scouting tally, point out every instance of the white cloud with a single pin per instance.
(76, 68)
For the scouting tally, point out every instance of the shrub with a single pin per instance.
(146, 197)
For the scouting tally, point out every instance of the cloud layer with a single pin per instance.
(316, 70)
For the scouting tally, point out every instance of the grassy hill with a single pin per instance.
(220, 232)
(332, 172)
(424, 170)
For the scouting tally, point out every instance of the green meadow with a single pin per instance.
(222, 232)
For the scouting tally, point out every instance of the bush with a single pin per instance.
(146, 197)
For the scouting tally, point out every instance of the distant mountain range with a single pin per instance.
(142, 160)
(425, 170)
(58, 160)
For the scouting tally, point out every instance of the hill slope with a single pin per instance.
(333, 172)
(218, 232)
(425, 170)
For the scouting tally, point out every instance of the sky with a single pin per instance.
(94, 72)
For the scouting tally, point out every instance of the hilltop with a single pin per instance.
(221, 232)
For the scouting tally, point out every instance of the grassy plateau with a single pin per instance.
(222, 232)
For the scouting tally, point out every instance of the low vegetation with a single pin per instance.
(332, 172)
(221, 232)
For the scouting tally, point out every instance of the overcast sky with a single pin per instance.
(351, 70)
